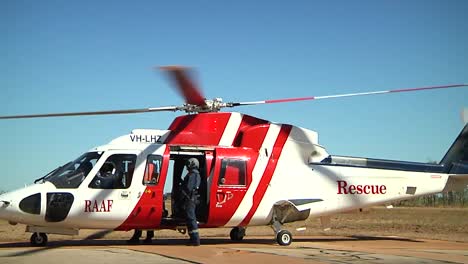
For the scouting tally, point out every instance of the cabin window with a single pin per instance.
(115, 173)
(58, 206)
(152, 170)
(31, 204)
(233, 172)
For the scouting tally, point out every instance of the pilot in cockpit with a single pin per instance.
(105, 176)
(85, 168)
(107, 169)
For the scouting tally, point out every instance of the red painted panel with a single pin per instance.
(147, 213)
(208, 128)
(253, 136)
(198, 129)
(246, 123)
(268, 174)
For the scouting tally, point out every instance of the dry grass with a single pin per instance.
(430, 223)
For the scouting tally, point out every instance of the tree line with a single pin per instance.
(444, 199)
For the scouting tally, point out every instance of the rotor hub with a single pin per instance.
(214, 105)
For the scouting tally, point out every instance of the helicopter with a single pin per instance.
(253, 173)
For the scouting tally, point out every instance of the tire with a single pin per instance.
(284, 238)
(38, 239)
(237, 234)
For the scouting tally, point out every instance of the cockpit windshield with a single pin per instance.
(72, 174)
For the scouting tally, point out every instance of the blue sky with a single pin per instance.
(59, 56)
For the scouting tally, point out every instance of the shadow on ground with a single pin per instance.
(180, 242)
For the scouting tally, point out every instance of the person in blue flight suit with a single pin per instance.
(190, 187)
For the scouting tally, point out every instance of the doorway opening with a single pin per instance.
(173, 196)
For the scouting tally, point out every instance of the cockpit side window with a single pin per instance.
(72, 174)
(115, 173)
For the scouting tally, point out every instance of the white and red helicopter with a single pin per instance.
(254, 172)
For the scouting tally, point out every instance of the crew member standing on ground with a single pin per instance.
(135, 239)
(190, 194)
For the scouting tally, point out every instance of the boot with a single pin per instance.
(149, 236)
(135, 239)
(194, 239)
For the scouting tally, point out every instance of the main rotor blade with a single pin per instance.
(286, 100)
(185, 84)
(109, 112)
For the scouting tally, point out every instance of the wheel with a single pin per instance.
(38, 239)
(284, 238)
(237, 233)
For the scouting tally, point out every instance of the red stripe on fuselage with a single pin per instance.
(269, 171)
(147, 213)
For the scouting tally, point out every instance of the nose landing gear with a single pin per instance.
(39, 233)
(38, 239)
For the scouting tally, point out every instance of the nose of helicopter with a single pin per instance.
(5, 202)
(8, 208)
(22, 205)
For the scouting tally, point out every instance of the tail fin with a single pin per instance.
(455, 160)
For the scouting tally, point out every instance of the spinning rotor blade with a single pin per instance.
(110, 112)
(185, 84)
(286, 100)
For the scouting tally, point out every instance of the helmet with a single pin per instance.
(107, 167)
(192, 163)
(86, 167)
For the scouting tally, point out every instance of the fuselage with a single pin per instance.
(252, 171)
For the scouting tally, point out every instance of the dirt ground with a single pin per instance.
(450, 224)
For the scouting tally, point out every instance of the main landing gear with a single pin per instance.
(237, 233)
(38, 239)
(283, 237)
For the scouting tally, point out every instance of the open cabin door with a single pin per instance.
(228, 183)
